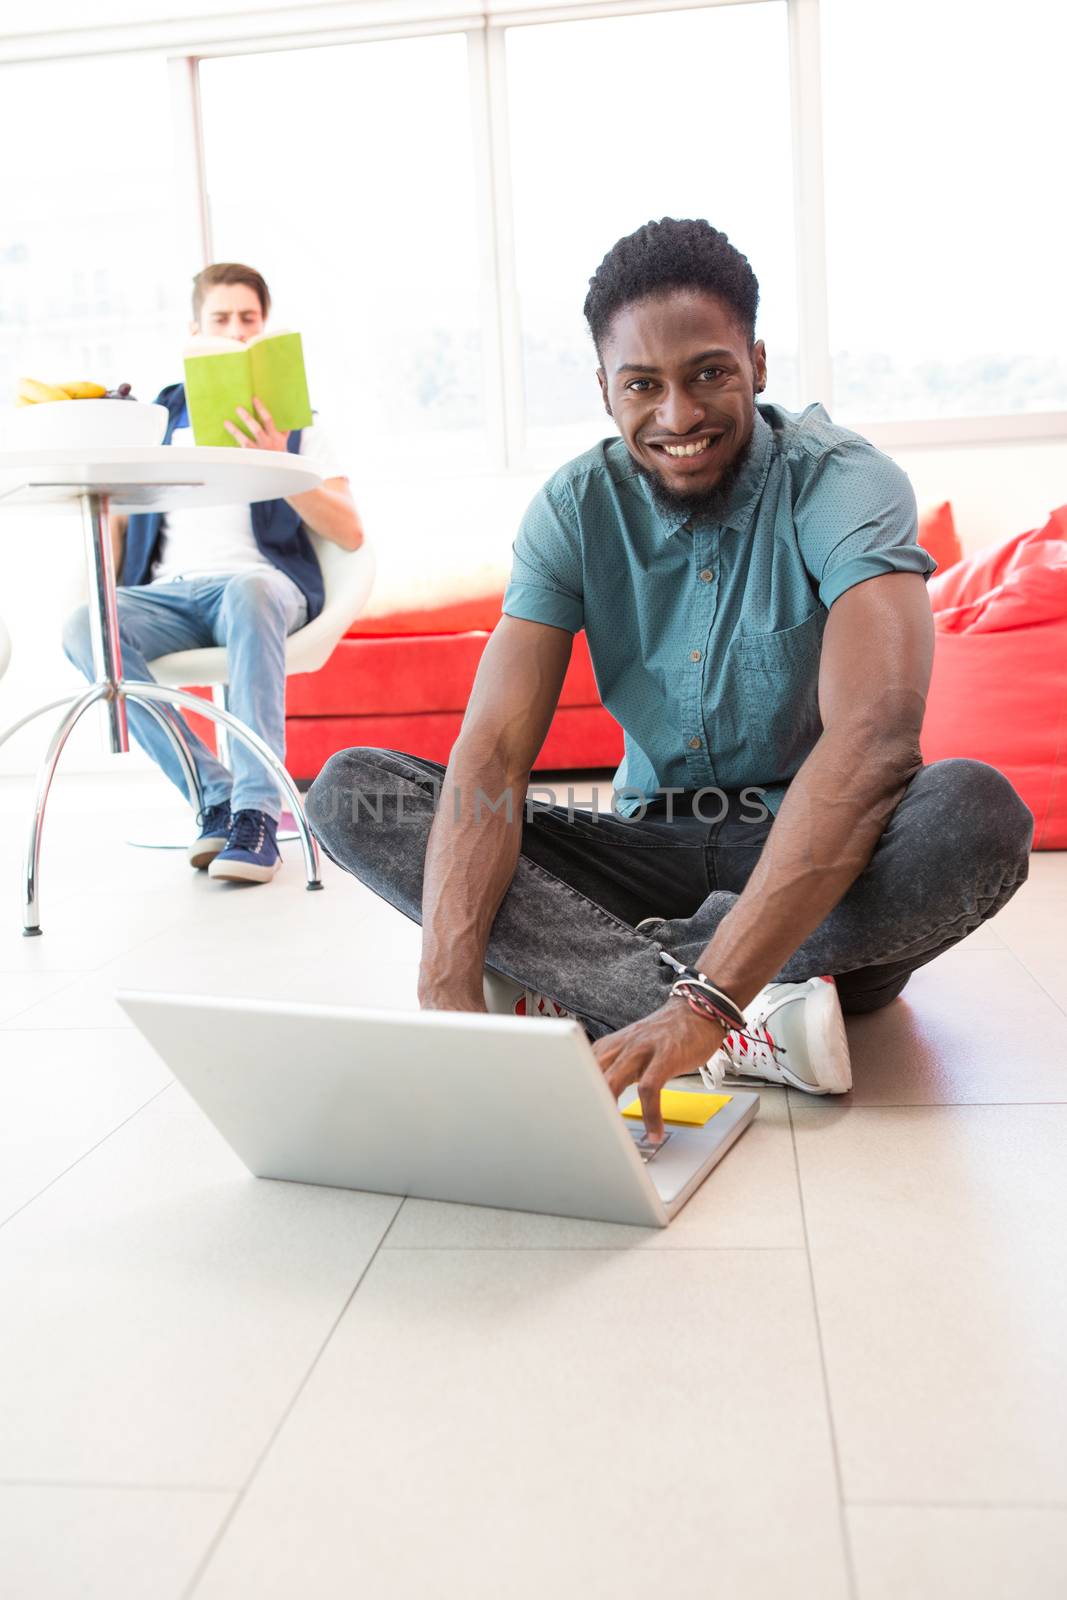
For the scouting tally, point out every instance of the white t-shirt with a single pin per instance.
(217, 539)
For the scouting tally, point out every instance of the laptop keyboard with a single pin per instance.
(645, 1148)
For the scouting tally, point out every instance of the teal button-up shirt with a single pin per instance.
(705, 637)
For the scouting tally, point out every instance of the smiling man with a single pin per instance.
(754, 600)
(240, 576)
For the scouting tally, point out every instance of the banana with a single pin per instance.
(84, 391)
(34, 392)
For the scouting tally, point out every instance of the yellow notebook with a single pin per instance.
(677, 1105)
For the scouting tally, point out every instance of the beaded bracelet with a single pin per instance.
(703, 1007)
(691, 985)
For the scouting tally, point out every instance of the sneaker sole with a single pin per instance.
(503, 996)
(203, 852)
(241, 872)
(827, 1043)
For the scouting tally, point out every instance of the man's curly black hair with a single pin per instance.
(671, 254)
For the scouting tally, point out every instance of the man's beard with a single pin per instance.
(710, 503)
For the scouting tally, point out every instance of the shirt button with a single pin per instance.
(694, 655)
(707, 575)
(694, 743)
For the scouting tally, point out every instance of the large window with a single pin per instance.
(947, 232)
(346, 176)
(428, 209)
(89, 284)
(618, 121)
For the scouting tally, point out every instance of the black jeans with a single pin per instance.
(954, 851)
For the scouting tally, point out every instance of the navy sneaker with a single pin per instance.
(251, 854)
(215, 824)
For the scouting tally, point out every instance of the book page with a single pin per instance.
(279, 380)
(215, 385)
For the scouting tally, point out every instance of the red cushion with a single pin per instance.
(999, 686)
(1018, 584)
(938, 536)
(457, 616)
(422, 672)
(580, 737)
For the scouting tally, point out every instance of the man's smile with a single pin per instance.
(687, 454)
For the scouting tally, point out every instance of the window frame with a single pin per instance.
(185, 42)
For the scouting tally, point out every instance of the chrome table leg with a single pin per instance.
(53, 705)
(173, 728)
(103, 612)
(31, 922)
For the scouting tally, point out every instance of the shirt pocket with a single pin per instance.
(779, 675)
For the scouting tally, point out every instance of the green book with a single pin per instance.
(222, 374)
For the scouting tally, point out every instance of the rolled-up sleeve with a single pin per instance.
(856, 519)
(546, 570)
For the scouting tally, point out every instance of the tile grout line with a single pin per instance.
(85, 1153)
(941, 1105)
(5, 1025)
(133, 1488)
(206, 1559)
(627, 1245)
(1060, 1005)
(73, 1027)
(83, 974)
(846, 1539)
(960, 1505)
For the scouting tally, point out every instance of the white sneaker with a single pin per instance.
(794, 1036)
(506, 998)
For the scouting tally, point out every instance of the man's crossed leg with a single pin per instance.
(953, 853)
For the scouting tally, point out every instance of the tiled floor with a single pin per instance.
(841, 1372)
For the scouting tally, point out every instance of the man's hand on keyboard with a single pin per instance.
(667, 1044)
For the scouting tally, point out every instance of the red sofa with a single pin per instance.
(408, 691)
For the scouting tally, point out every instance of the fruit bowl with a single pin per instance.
(82, 425)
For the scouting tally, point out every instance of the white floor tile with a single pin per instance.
(973, 1026)
(1036, 932)
(104, 1544)
(987, 937)
(941, 1553)
(749, 1200)
(938, 1240)
(536, 1423)
(85, 1004)
(86, 929)
(60, 1094)
(20, 992)
(162, 1306)
(1048, 876)
(310, 974)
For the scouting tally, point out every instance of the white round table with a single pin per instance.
(160, 478)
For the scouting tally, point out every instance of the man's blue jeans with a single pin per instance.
(251, 614)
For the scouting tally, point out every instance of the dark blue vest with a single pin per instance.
(280, 534)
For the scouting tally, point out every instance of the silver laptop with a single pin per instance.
(444, 1105)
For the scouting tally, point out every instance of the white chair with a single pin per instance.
(5, 648)
(347, 575)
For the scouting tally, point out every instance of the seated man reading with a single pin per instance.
(240, 576)
(754, 601)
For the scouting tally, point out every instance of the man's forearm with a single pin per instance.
(332, 514)
(471, 857)
(830, 821)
